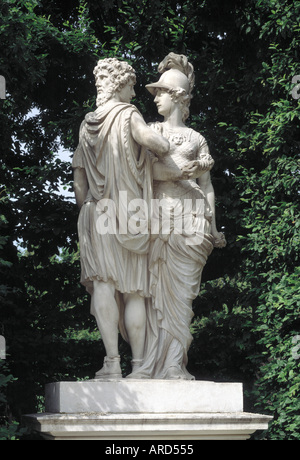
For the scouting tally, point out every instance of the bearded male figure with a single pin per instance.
(111, 158)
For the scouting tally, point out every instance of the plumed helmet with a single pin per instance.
(177, 74)
(172, 79)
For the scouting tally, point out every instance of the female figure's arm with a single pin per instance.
(206, 186)
(164, 172)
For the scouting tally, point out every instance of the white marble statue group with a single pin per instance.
(147, 218)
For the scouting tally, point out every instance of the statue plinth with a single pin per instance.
(143, 396)
(145, 410)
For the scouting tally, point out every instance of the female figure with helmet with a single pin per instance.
(176, 260)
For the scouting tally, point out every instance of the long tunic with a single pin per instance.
(176, 260)
(113, 163)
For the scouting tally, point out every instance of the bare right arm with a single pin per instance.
(148, 138)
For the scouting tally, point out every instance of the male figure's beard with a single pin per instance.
(102, 98)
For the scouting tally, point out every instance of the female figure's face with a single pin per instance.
(165, 104)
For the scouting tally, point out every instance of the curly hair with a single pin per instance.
(121, 73)
(180, 96)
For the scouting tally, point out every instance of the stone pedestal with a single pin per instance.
(145, 410)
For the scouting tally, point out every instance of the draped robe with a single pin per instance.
(176, 261)
(113, 163)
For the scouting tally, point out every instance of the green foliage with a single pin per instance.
(267, 180)
(9, 430)
(223, 336)
(278, 386)
(245, 55)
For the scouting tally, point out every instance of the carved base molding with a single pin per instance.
(145, 410)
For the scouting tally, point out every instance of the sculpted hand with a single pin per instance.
(196, 168)
(219, 240)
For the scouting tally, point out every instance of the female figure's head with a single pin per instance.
(177, 81)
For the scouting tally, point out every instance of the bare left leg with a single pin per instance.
(135, 323)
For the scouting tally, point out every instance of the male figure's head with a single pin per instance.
(114, 78)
